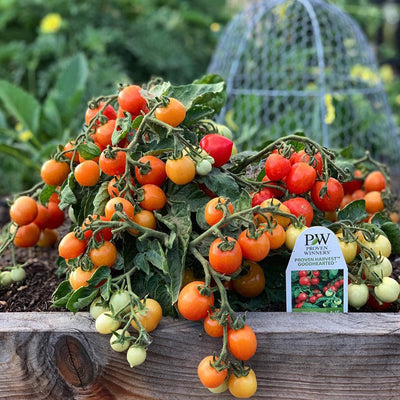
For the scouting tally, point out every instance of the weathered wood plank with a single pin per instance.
(300, 356)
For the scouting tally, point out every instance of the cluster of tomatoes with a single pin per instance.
(371, 188)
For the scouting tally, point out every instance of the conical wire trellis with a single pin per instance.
(303, 64)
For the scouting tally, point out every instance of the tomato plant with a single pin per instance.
(165, 219)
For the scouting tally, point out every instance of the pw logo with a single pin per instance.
(312, 239)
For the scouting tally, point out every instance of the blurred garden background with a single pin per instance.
(59, 54)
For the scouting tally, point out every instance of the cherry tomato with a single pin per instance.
(254, 249)
(252, 283)
(292, 233)
(70, 246)
(56, 215)
(54, 173)
(48, 238)
(332, 198)
(42, 218)
(103, 234)
(181, 170)
(156, 175)
(225, 261)
(317, 163)
(78, 278)
(144, 218)
(108, 112)
(27, 235)
(301, 178)
(387, 291)
(154, 197)
(218, 147)
(212, 326)
(127, 207)
(277, 237)
(130, 100)
(191, 304)
(105, 255)
(277, 166)
(258, 197)
(243, 387)
(373, 202)
(242, 343)
(354, 184)
(151, 317)
(208, 375)
(87, 173)
(349, 249)
(172, 114)
(104, 133)
(374, 181)
(24, 210)
(280, 219)
(213, 215)
(300, 206)
(136, 355)
(113, 166)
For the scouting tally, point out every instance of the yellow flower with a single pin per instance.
(25, 136)
(19, 127)
(365, 74)
(215, 27)
(51, 23)
(386, 72)
(330, 110)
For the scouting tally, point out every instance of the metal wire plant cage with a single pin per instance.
(303, 64)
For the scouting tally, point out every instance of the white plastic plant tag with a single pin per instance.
(316, 276)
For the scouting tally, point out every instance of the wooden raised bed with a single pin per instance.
(300, 357)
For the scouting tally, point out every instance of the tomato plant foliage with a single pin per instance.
(155, 214)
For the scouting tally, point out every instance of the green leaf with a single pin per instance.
(392, 231)
(243, 202)
(142, 263)
(46, 192)
(68, 90)
(62, 294)
(211, 95)
(354, 212)
(22, 105)
(197, 113)
(191, 194)
(379, 219)
(101, 199)
(222, 184)
(67, 195)
(51, 122)
(81, 297)
(178, 220)
(137, 121)
(88, 151)
(100, 275)
(19, 155)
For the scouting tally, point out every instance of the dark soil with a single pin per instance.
(34, 293)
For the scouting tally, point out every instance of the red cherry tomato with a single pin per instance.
(218, 147)
(332, 198)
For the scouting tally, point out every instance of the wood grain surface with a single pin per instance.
(307, 356)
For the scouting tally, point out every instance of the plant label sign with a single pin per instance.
(316, 276)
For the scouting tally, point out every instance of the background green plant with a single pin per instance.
(119, 40)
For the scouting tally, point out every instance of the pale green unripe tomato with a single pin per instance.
(118, 346)
(120, 302)
(5, 278)
(223, 387)
(382, 269)
(105, 324)
(388, 291)
(234, 150)
(358, 295)
(18, 274)
(97, 308)
(204, 167)
(223, 130)
(136, 355)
